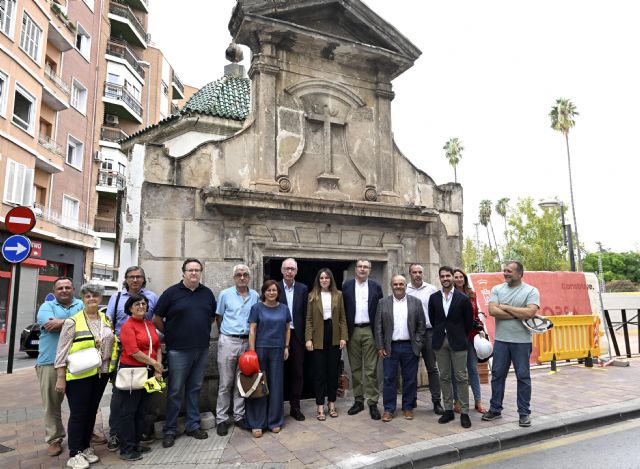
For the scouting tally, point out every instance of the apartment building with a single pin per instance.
(140, 88)
(47, 89)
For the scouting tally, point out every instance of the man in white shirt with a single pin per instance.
(423, 290)
(399, 332)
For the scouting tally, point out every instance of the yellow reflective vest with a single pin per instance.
(83, 338)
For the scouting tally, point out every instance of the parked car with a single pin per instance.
(29, 339)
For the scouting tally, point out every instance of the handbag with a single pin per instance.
(254, 386)
(83, 360)
(133, 378)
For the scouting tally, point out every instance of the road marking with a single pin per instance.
(550, 444)
(20, 220)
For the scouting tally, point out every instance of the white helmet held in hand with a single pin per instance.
(484, 349)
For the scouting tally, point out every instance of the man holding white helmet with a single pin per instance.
(509, 304)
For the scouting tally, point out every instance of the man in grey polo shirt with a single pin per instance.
(423, 290)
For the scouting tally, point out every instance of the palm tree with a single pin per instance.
(562, 119)
(501, 209)
(453, 152)
(485, 220)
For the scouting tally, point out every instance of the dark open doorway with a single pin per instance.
(307, 269)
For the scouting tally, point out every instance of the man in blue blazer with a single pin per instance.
(294, 295)
(451, 315)
(361, 296)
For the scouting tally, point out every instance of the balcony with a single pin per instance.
(45, 213)
(111, 181)
(119, 49)
(178, 88)
(120, 102)
(104, 272)
(175, 109)
(49, 144)
(57, 80)
(61, 30)
(125, 24)
(142, 5)
(104, 226)
(112, 134)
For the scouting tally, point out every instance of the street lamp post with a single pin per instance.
(567, 236)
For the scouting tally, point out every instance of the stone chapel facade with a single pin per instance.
(312, 171)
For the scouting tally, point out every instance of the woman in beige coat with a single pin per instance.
(326, 336)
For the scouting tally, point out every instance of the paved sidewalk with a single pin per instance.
(570, 400)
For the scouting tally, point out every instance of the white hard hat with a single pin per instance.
(484, 349)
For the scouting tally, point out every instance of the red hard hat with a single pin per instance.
(248, 363)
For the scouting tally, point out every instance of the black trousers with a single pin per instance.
(294, 368)
(130, 415)
(83, 396)
(325, 366)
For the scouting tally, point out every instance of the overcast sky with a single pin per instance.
(489, 73)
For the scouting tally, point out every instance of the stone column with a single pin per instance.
(263, 73)
(385, 158)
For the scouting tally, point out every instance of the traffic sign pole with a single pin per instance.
(15, 278)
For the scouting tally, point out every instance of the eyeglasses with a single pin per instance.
(244, 275)
(293, 269)
(193, 271)
(139, 304)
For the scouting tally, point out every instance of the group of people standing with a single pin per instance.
(280, 324)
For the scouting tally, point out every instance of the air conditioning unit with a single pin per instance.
(111, 119)
(98, 156)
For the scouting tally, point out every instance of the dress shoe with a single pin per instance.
(387, 417)
(168, 441)
(98, 439)
(408, 414)
(447, 417)
(465, 421)
(297, 415)
(55, 448)
(198, 434)
(222, 428)
(375, 413)
(356, 408)
(437, 408)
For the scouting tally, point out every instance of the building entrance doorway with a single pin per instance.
(307, 269)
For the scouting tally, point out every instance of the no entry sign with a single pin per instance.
(20, 220)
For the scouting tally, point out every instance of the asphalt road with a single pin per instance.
(614, 446)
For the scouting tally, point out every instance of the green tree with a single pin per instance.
(562, 119)
(501, 209)
(536, 239)
(485, 220)
(470, 258)
(615, 265)
(453, 152)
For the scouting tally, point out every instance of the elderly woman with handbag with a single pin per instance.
(86, 355)
(269, 336)
(141, 353)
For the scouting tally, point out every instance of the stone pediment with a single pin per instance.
(308, 23)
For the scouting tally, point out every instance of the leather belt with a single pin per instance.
(362, 324)
(236, 336)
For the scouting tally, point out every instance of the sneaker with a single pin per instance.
(55, 448)
(131, 456)
(491, 415)
(78, 462)
(90, 456)
(524, 421)
(114, 443)
(198, 434)
(222, 429)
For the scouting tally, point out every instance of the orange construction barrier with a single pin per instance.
(570, 337)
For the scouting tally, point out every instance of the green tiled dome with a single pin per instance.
(228, 97)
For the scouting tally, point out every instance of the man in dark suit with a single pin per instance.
(399, 332)
(294, 295)
(361, 296)
(451, 316)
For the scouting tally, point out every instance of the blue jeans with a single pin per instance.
(186, 372)
(505, 353)
(401, 353)
(474, 377)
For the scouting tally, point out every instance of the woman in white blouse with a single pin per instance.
(326, 336)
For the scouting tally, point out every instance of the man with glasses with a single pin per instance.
(361, 296)
(232, 318)
(294, 295)
(134, 283)
(184, 313)
(51, 316)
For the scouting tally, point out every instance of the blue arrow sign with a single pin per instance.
(16, 248)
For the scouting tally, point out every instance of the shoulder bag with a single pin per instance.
(133, 378)
(254, 386)
(86, 359)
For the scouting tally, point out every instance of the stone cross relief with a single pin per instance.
(329, 118)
